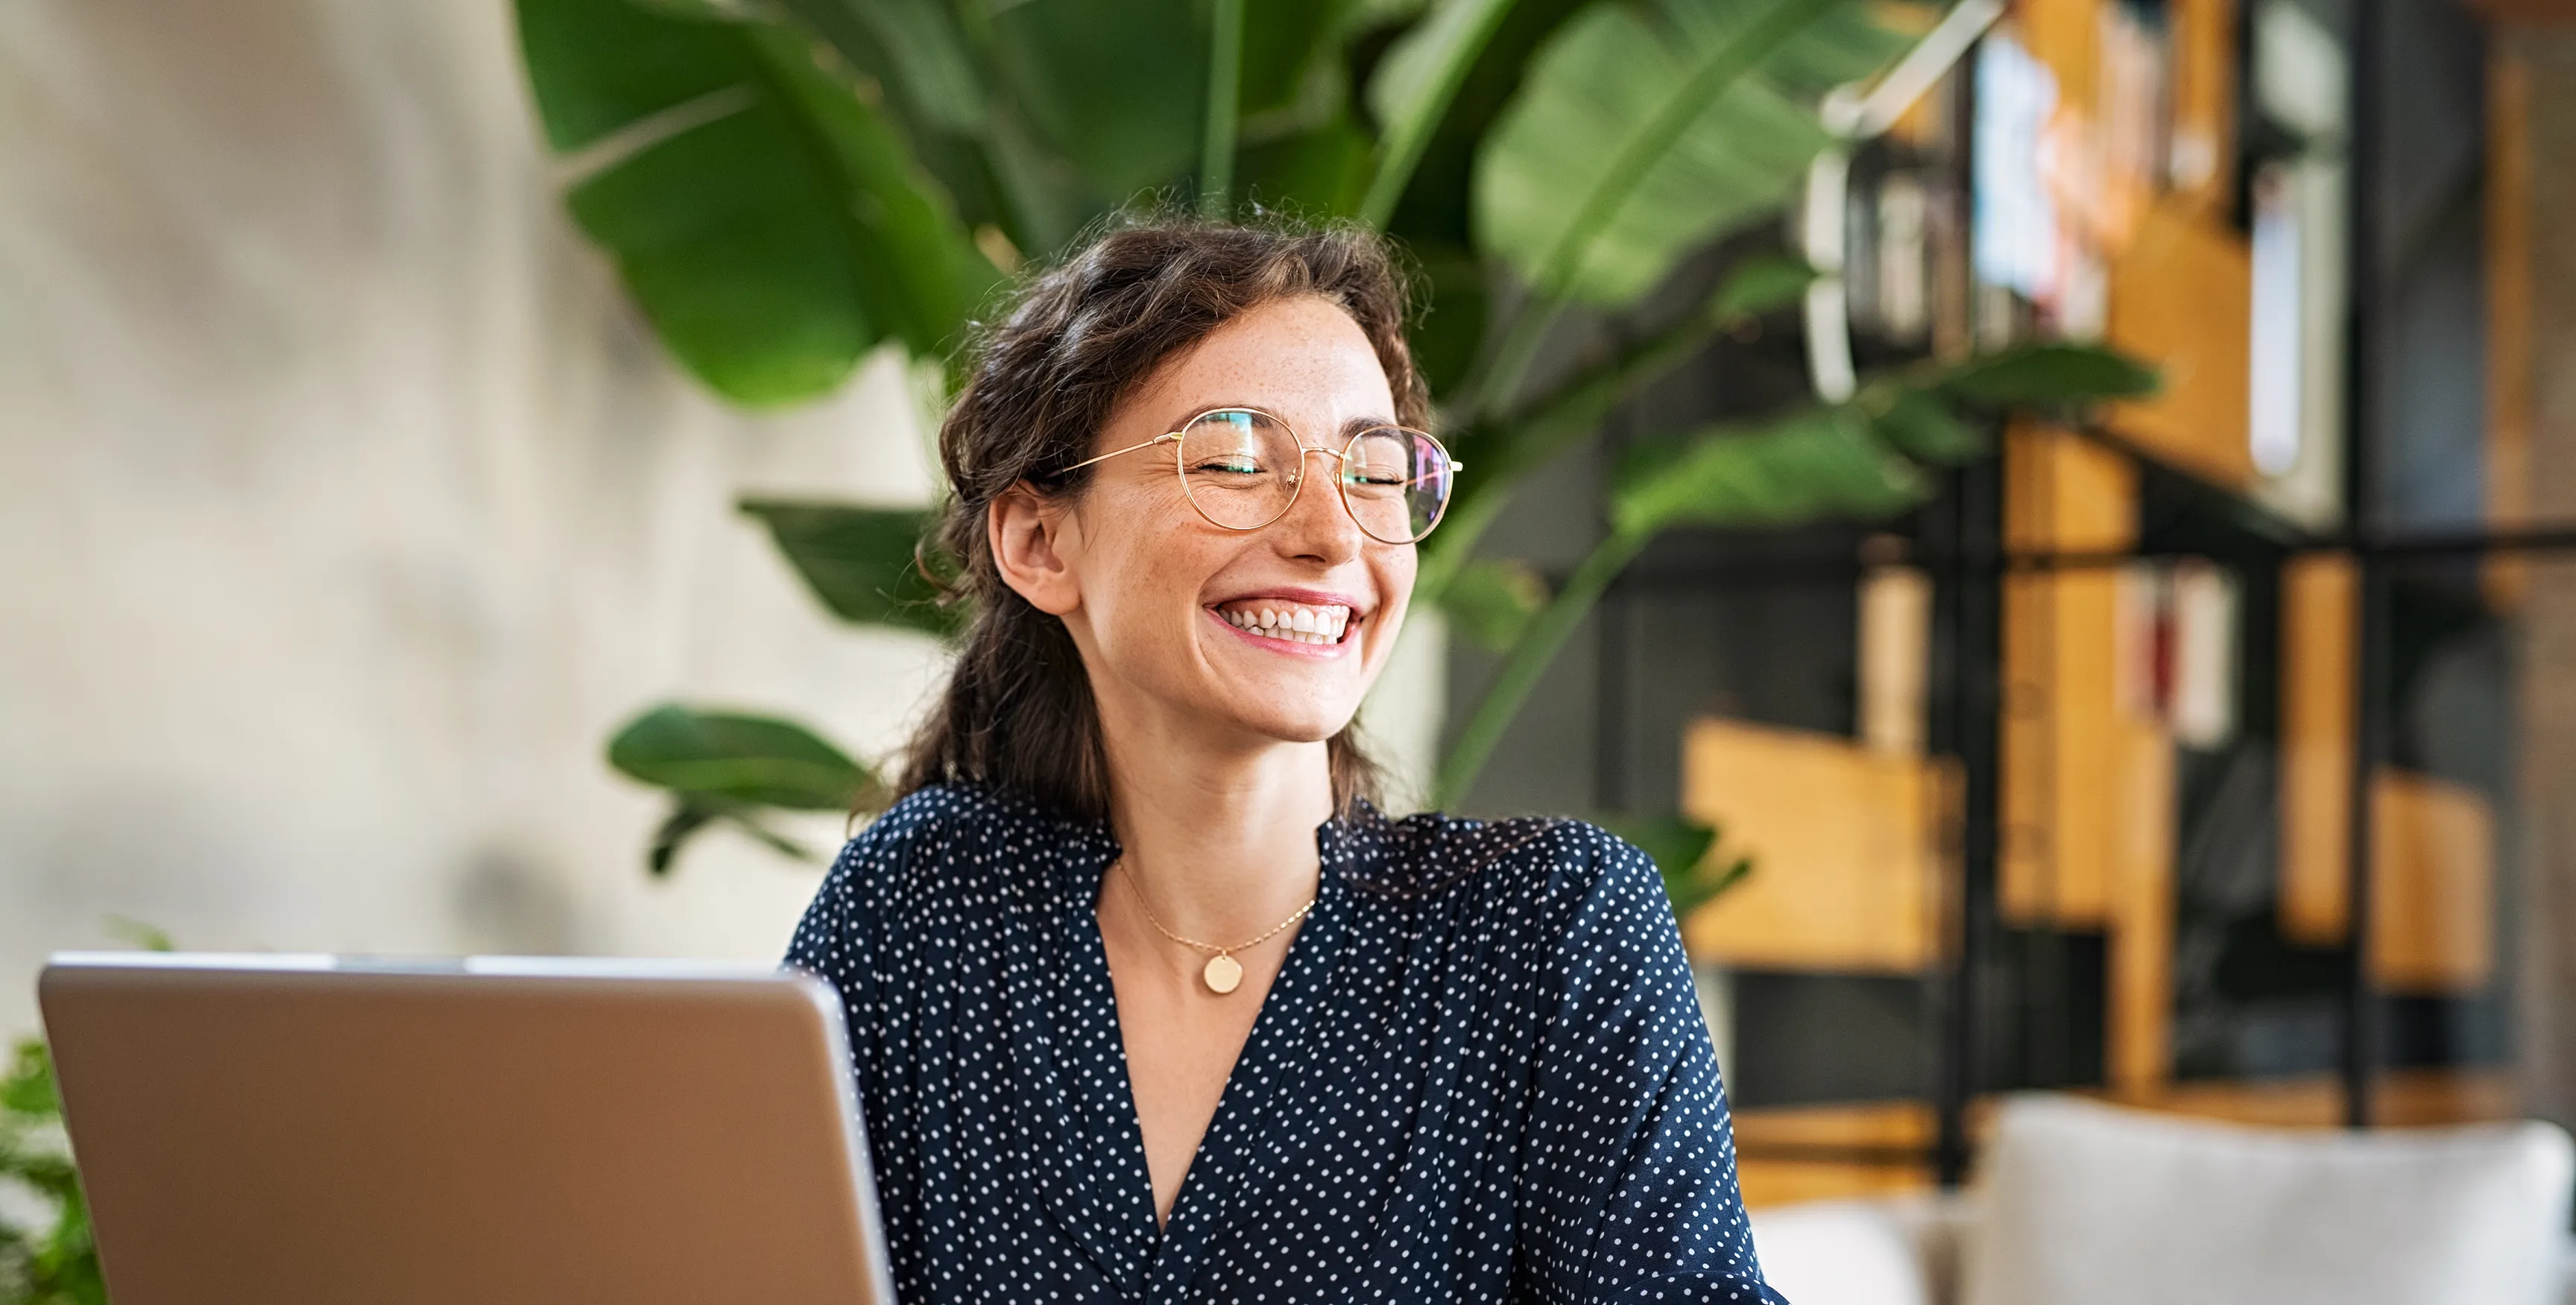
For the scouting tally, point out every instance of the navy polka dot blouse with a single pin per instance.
(1480, 1075)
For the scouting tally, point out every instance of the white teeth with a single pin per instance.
(1297, 624)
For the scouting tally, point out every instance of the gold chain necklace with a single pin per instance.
(1223, 973)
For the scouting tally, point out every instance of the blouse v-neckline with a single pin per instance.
(1105, 1201)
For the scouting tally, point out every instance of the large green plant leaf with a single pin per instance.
(1641, 136)
(1118, 87)
(727, 768)
(914, 45)
(1812, 464)
(730, 757)
(765, 216)
(862, 562)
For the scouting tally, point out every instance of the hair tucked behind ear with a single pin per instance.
(1018, 711)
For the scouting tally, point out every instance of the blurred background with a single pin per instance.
(2050, 521)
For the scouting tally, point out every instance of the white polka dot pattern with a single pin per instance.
(1481, 1075)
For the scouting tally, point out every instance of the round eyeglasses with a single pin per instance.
(1241, 469)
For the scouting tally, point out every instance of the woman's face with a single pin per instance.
(1180, 617)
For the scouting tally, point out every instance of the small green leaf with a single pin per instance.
(28, 1091)
(1923, 427)
(1761, 285)
(862, 562)
(727, 759)
(2046, 375)
(1811, 465)
(1492, 600)
(687, 818)
(1680, 847)
(149, 937)
(1676, 844)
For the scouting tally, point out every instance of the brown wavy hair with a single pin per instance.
(1077, 338)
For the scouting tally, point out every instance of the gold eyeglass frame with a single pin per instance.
(1297, 478)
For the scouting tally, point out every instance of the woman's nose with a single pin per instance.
(1318, 524)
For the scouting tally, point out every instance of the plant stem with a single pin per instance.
(1550, 426)
(1225, 92)
(1463, 27)
(1496, 385)
(1528, 659)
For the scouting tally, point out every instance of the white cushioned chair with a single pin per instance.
(2078, 1203)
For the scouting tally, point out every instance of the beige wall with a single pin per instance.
(345, 508)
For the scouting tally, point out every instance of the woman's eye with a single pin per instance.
(1235, 466)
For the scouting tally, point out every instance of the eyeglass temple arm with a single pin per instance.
(1170, 435)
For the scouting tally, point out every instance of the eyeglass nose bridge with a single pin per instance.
(1298, 476)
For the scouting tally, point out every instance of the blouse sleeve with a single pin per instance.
(1628, 1189)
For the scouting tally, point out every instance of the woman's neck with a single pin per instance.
(1220, 841)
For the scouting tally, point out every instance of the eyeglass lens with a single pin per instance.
(1241, 468)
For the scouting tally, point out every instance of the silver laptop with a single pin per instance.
(492, 1130)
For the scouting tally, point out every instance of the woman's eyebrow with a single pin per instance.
(1351, 427)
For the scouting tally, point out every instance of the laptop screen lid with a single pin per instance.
(501, 1130)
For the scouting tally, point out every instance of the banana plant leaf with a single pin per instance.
(763, 213)
(861, 562)
(1812, 464)
(2046, 375)
(1117, 87)
(1642, 135)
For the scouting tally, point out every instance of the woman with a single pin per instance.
(1147, 1002)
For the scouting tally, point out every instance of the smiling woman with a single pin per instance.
(1147, 1000)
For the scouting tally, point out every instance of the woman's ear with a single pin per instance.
(1034, 544)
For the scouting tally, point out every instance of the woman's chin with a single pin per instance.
(1306, 723)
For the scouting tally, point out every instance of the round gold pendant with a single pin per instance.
(1223, 974)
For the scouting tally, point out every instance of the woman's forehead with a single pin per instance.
(1303, 359)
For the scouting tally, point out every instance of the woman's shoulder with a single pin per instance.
(1544, 866)
(954, 837)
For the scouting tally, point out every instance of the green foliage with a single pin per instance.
(726, 767)
(2046, 376)
(787, 186)
(864, 564)
(1865, 459)
(1815, 464)
(765, 215)
(1493, 600)
(1414, 87)
(57, 1264)
(1642, 135)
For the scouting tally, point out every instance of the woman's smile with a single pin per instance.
(1299, 622)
